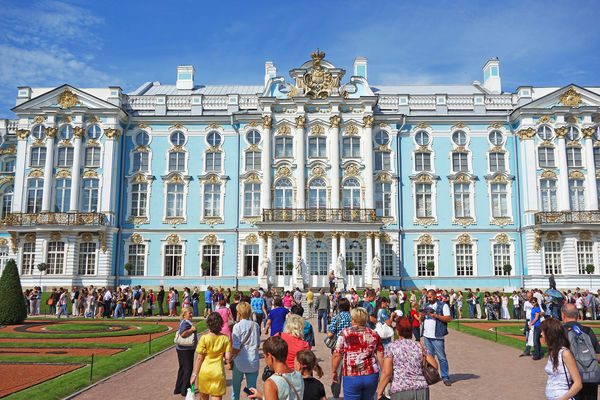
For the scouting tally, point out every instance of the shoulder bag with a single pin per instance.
(330, 342)
(187, 341)
(431, 374)
(384, 330)
(292, 386)
(230, 365)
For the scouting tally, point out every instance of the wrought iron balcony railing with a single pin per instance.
(53, 218)
(319, 215)
(567, 217)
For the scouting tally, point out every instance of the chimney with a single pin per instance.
(185, 77)
(491, 76)
(360, 67)
(270, 71)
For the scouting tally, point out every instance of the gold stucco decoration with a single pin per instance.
(464, 239)
(86, 237)
(251, 239)
(318, 82)
(55, 236)
(51, 132)
(351, 130)
(210, 239)
(318, 172)
(68, 99)
(283, 172)
(284, 130)
(39, 119)
(585, 235)
(136, 238)
(526, 134)
(267, 122)
(561, 132)
(368, 120)
(35, 173)
(90, 173)
(3, 242)
(552, 236)
(502, 238)
(423, 125)
(588, 133)
(570, 98)
(549, 174)
(173, 239)
(252, 178)
(544, 119)
(425, 239)
(112, 134)
(212, 179)
(63, 173)
(22, 134)
(351, 170)
(384, 177)
(300, 122)
(335, 121)
(78, 132)
(423, 178)
(499, 179)
(10, 149)
(92, 119)
(14, 241)
(317, 130)
(576, 174)
(102, 237)
(30, 237)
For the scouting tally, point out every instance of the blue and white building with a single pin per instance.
(281, 182)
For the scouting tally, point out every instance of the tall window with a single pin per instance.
(464, 260)
(351, 194)
(28, 258)
(173, 259)
(423, 200)
(210, 253)
(501, 254)
(37, 157)
(6, 200)
(175, 200)
(383, 160)
(139, 199)
(546, 157)
(548, 194)
(552, 259)
(576, 194)
(89, 195)
(462, 200)
(177, 161)
(92, 156)
(63, 195)
(597, 157)
(585, 255)
(140, 161)
(317, 258)
(284, 147)
(354, 253)
(34, 195)
(497, 162)
(283, 255)
(251, 199)
(387, 259)
(499, 200)
(574, 157)
(56, 258)
(422, 161)
(213, 161)
(87, 259)
(65, 157)
(252, 160)
(351, 147)
(251, 260)
(383, 199)
(425, 255)
(212, 200)
(460, 162)
(317, 194)
(283, 194)
(137, 256)
(9, 164)
(317, 147)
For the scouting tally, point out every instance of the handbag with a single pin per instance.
(187, 341)
(431, 374)
(267, 373)
(292, 386)
(384, 330)
(330, 342)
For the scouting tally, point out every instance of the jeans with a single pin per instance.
(236, 381)
(160, 309)
(527, 332)
(437, 348)
(52, 309)
(537, 346)
(516, 312)
(195, 307)
(360, 387)
(119, 311)
(417, 333)
(63, 310)
(186, 367)
(322, 316)
(471, 310)
(310, 310)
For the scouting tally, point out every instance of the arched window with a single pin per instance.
(89, 195)
(351, 194)
(7, 198)
(317, 258)
(175, 200)
(34, 195)
(283, 255)
(63, 195)
(212, 200)
(9, 164)
(317, 194)
(283, 194)
(177, 138)
(354, 254)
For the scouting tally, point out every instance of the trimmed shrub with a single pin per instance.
(13, 309)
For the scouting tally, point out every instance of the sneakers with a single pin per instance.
(524, 355)
(447, 383)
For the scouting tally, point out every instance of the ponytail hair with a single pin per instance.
(308, 362)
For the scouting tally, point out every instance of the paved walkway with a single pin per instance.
(479, 369)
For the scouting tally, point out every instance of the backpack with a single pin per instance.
(137, 294)
(585, 355)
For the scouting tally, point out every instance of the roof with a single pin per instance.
(155, 88)
(426, 89)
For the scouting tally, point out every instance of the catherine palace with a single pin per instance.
(319, 170)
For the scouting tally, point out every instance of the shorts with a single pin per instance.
(208, 305)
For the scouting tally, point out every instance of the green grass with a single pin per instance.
(66, 326)
(144, 329)
(41, 345)
(518, 330)
(485, 334)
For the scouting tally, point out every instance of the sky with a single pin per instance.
(126, 43)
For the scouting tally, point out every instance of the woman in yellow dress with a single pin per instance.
(212, 348)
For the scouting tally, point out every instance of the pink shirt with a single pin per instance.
(287, 301)
(225, 314)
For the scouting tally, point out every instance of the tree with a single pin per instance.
(13, 309)
(42, 267)
(349, 266)
(507, 268)
(590, 270)
(289, 266)
(430, 267)
(128, 267)
(205, 267)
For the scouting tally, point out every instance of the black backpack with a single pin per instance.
(585, 356)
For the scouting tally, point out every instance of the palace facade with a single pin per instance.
(281, 182)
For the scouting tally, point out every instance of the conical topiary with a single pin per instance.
(13, 309)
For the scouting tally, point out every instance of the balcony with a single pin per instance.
(567, 217)
(320, 215)
(53, 218)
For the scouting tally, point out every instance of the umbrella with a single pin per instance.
(554, 293)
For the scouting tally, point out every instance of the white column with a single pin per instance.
(303, 252)
(261, 247)
(48, 169)
(265, 164)
(563, 171)
(295, 253)
(367, 144)
(377, 246)
(529, 172)
(108, 188)
(300, 163)
(369, 264)
(19, 188)
(334, 157)
(343, 245)
(270, 246)
(591, 184)
(76, 173)
(334, 252)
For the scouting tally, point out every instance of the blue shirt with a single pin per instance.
(534, 311)
(184, 325)
(208, 297)
(277, 317)
(339, 322)
(371, 312)
(257, 305)
(247, 359)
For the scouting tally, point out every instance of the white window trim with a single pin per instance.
(131, 153)
(244, 132)
(130, 183)
(433, 200)
(436, 256)
(182, 129)
(81, 191)
(393, 192)
(537, 157)
(146, 242)
(561, 241)
(166, 183)
(274, 146)
(455, 242)
(204, 158)
(468, 134)
(79, 242)
(307, 145)
(251, 150)
(163, 245)
(471, 200)
(101, 147)
(221, 243)
(509, 203)
(186, 157)
(221, 199)
(511, 252)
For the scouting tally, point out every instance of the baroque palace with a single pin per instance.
(280, 183)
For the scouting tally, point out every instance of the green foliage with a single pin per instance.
(349, 266)
(590, 268)
(42, 267)
(430, 266)
(507, 268)
(128, 267)
(289, 266)
(205, 266)
(13, 309)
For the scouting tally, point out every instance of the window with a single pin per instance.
(548, 194)
(544, 132)
(497, 162)
(28, 258)
(214, 139)
(66, 132)
(382, 138)
(546, 157)
(94, 132)
(38, 157)
(422, 161)
(496, 138)
(283, 255)
(38, 132)
(317, 147)
(253, 137)
(87, 259)
(501, 254)
(317, 258)
(460, 162)
(251, 260)
(63, 195)
(140, 161)
(552, 261)
(354, 254)
(572, 133)
(173, 259)
(574, 157)
(56, 258)
(252, 199)
(211, 254)
(252, 160)
(317, 194)
(177, 138)
(499, 200)
(351, 147)
(425, 255)
(34, 195)
(177, 161)
(284, 147)
(65, 157)
(383, 160)
(283, 194)
(351, 194)
(423, 200)
(459, 138)
(464, 260)
(9, 165)
(422, 138)
(585, 255)
(92, 156)
(139, 198)
(7, 198)
(175, 200)
(387, 260)
(142, 138)
(90, 195)
(576, 192)
(383, 199)
(212, 200)
(597, 157)
(137, 256)
(462, 200)
(213, 161)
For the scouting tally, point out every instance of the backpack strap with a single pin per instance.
(290, 384)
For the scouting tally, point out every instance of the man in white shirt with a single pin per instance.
(516, 305)
(539, 296)
(527, 307)
(435, 320)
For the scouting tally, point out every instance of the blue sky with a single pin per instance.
(126, 43)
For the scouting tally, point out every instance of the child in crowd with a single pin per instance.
(305, 363)
(414, 317)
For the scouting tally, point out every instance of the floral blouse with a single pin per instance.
(359, 346)
(408, 363)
